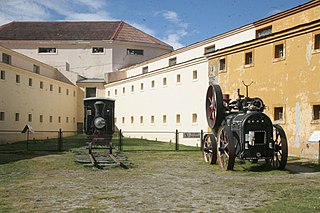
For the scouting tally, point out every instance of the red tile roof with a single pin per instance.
(102, 30)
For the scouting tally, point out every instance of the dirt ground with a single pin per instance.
(155, 182)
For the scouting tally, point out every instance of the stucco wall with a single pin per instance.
(28, 99)
(291, 82)
(184, 98)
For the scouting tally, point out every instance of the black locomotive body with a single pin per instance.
(241, 129)
(99, 121)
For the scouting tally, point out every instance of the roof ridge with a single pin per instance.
(117, 31)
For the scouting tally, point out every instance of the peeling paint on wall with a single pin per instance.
(297, 124)
(309, 52)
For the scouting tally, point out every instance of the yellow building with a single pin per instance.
(36, 94)
(284, 64)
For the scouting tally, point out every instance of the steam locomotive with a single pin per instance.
(99, 121)
(241, 129)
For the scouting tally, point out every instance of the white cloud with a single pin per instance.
(176, 32)
(39, 10)
(174, 41)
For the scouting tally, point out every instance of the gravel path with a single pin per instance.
(156, 182)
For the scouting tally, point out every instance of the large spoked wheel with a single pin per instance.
(280, 157)
(226, 148)
(214, 107)
(209, 149)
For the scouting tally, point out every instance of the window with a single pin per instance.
(67, 91)
(178, 120)
(279, 51)
(51, 87)
(178, 78)
(36, 69)
(115, 92)
(145, 70)
(172, 61)
(59, 119)
(17, 116)
(134, 52)
(50, 119)
(194, 75)
(222, 64)
(73, 119)
(141, 119)
(164, 81)
(17, 78)
(29, 117)
(210, 49)
(59, 89)
(3, 75)
(164, 119)
(123, 90)
(194, 118)
(74, 93)
(2, 116)
(316, 112)
(123, 120)
(132, 88)
(67, 119)
(141, 86)
(41, 85)
(30, 82)
(264, 32)
(97, 50)
(153, 84)
(278, 114)
(317, 42)
(109, 93)
(41, 118)
(49, 50)
(152, 119)
(90, 92)
(6, 58)
(132, 119)
(248, 58)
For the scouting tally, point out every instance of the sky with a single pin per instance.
(176, 22)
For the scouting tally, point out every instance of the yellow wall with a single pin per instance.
(25, 99)
(292, 82)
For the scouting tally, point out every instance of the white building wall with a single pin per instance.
(79, 56)
(192, 53)
(185, 98)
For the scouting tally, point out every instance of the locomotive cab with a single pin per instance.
(99, 120)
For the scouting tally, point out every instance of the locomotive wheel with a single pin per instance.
(214, 107)
(226, 148)
(280, 157)
(209, 149)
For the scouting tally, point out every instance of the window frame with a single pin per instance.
(246, 63)
(224, 63)
(315, 119)
(2, 75)
(277, 55)
(47, 50)
(172, 61)
(274, 111)
(210, 49)
(97, 52)
(316, 42)
(265, 30)
(6, 58)
(135, 52)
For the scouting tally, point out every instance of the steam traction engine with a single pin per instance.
(241, 129)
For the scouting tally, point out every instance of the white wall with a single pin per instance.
(184, 98)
